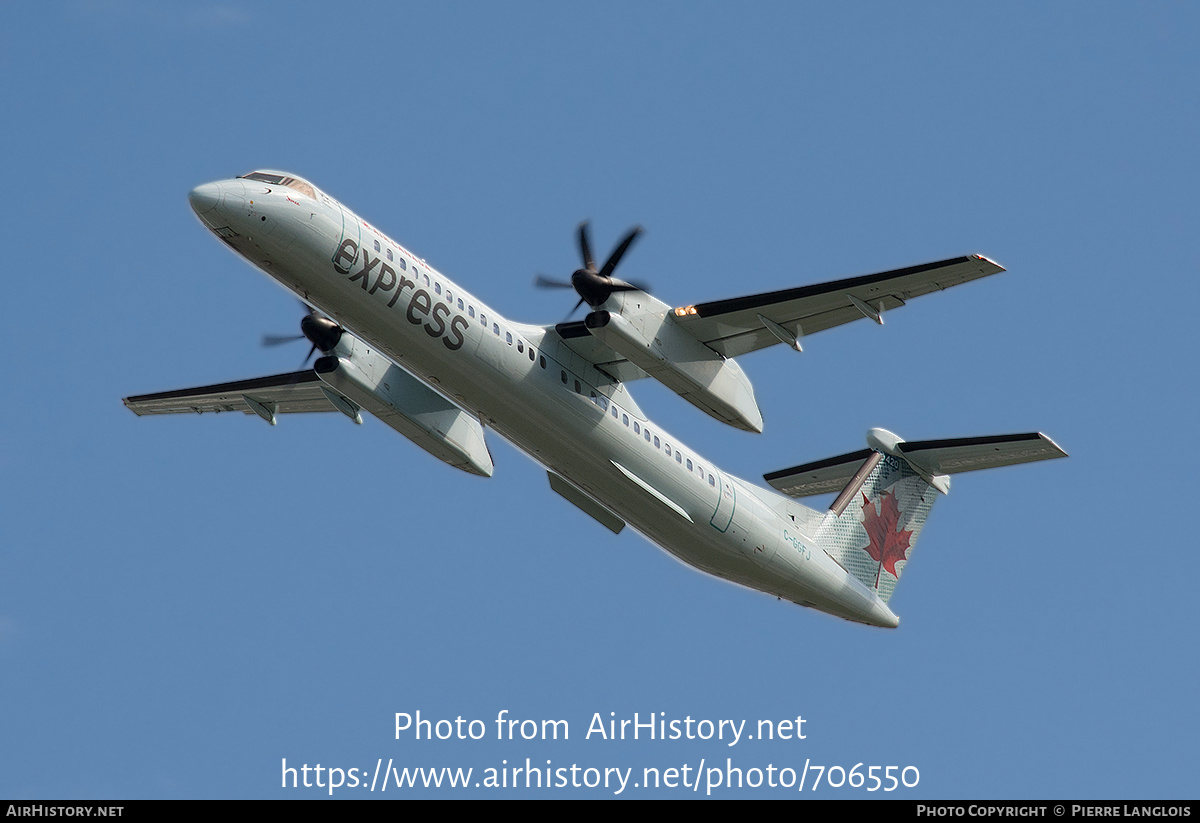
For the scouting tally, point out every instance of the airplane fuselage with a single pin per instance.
(524, 382)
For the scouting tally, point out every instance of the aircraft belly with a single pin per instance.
(573, 437)
(735, 537)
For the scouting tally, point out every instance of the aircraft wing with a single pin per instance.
(280, 394)
(742, 324)
(735, 326)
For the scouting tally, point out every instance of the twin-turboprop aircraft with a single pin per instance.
(401, 341)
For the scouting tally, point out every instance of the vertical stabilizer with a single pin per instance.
(873, 527)
(888, 489)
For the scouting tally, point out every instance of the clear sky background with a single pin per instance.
(186, 601)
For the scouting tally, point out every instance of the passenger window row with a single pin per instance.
(463, 305)
(694, 469)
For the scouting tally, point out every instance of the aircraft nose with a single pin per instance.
(204, 198)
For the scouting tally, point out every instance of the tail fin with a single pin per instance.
(873, 525)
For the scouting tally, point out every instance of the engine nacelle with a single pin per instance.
(404, 403)
(683, 364)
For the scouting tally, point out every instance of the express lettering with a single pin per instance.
(421, 305)
(347, 253)
(368, 264)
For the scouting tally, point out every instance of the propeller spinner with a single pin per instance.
(322, 332)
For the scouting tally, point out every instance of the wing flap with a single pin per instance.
(292, 393)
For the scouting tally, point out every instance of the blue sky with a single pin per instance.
(186, 602)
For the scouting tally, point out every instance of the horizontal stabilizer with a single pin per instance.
(968, 454)
(872, 527)
(930, 458)
(822, 477)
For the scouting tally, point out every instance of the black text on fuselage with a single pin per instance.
(377, 277)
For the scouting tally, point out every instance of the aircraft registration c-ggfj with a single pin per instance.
(401, 341)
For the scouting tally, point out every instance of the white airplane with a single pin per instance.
(401, 341)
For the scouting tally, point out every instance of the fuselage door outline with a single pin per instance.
(345, 255)
(726, 503)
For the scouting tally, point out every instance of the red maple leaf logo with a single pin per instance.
(888, 545)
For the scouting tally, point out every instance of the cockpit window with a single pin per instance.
(283, 180)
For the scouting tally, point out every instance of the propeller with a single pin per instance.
(595, 287)
(322, 332)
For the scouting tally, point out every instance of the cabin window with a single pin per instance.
(389, 254)
(541, 361)
(403, 264)
(636, 428)
(470, 311)
(625, 419)
(460, 304)
(689, 464)
(483, 319)
(532, 354)
(667, 446)
(508, 336)
(647, 435)
(578, 388)
(496, 329)
(376, 245)
(564, 377)
(712, 481)
(521, 346)
(657, 445)
(437, 287)
(614, 411)
(679, 457)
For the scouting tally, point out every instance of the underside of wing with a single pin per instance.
(295, 392)
(736, 326)
(579, 340)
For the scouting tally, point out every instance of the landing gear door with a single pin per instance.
(725, 506)
(347, 251)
